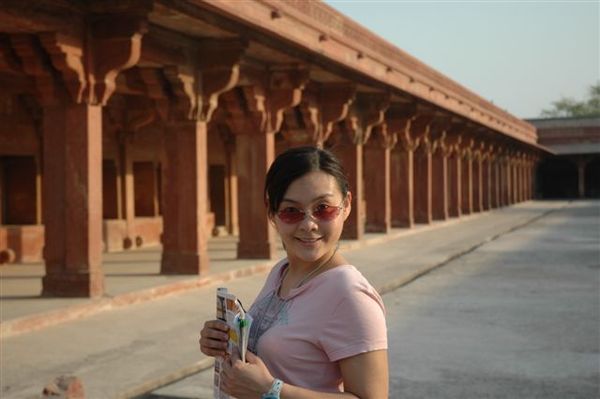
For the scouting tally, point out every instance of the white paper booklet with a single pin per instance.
(231, 311)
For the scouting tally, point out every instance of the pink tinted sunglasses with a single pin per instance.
(322, 213)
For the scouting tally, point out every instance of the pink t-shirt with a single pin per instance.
(335, 315)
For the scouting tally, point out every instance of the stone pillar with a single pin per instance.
(377, 183)
(254, 154)
(440, 187)
(402, 187)
(399, 120)
(366, 113)
(231, 181)
(127, 188)
(509, 181)
(455, 185)
(467, 180)
(502, 176)
(453, 141)
(72, 91)
(487, 182)
(530, 179)
(526, 178)
(581, 163)
(521, 179)
(73, 176)
(477, 182)
(185, 249)
(232, 196)
(351, 156)
(514, 180)
(423, 183)
(38, 187)
(195, 89)
(496, 187)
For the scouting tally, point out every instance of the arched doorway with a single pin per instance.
(592, 178)
(557, 178)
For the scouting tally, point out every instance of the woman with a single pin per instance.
(319, 326)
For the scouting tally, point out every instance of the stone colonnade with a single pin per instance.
(207, 120)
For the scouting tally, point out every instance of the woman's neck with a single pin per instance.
(300, 272)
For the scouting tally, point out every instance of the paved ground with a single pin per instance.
(136, 348)
(518, 317)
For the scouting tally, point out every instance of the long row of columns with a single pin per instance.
(449, 179)
(406, 164)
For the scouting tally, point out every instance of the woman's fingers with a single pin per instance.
(217, 325)
(214, 338)
(214, 334)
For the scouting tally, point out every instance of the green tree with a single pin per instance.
(568, 107)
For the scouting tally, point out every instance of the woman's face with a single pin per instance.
(310, 239)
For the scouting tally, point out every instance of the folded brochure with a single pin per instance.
(231, 311)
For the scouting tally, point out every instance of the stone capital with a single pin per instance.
(398, 120)
(196, 86)
(284, 92)
(89, 68)
(322, 106)
(365, 113)
(383, 137)
(258, 106)
(420, 131)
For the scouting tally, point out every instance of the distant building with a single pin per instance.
(574, 170)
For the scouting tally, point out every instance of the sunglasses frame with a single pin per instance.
(310, 214)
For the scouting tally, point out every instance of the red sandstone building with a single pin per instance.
(135, 123)
(573, 171)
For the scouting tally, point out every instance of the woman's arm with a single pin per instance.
(365, 376)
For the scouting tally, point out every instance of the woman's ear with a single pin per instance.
(347, 205)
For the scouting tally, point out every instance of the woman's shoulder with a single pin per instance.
(346, 278)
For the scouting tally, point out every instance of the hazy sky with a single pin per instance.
(521, 55)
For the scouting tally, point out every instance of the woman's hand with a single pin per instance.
(246, 380)
(214, 337)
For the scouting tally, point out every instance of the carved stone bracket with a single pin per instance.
(246, 109)
(398, 121)
(438, 133)
(213, 70)
(259, 108)
(323, 105)
(466, 147)
(284, 92)
(383, 137)
(367, 112)
(478, 149)
(489, 151)
(89, 68)
(440, 145)
(421, 131)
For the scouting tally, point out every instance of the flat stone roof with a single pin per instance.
(548, 123)
(575, 148)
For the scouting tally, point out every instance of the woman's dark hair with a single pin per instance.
(297, 162)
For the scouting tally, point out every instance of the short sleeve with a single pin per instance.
(357, 325)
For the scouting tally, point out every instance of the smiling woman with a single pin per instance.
(319, 327)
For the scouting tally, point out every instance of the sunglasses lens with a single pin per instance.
(326, 213)
(291, 215)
